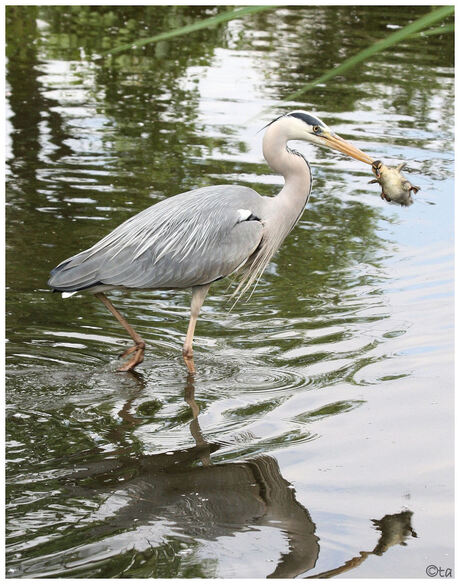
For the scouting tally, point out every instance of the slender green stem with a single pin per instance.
(438, 30)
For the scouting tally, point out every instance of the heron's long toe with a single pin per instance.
(128, 351)
(138, 350)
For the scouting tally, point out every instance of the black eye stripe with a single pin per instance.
(307, 118)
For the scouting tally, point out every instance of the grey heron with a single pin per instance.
(198, 237)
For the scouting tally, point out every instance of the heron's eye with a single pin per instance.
(316, 129)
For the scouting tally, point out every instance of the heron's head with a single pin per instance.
(300, 125)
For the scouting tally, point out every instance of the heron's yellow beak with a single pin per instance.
(338, 143)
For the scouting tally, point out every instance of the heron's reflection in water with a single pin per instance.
(183, 494)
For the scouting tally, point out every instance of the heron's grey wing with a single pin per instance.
(190, 239)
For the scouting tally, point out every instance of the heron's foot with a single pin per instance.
(138, 349)
(128, 351)
(188, 358)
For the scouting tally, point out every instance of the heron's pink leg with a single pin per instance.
(198, 296)
(139, 346)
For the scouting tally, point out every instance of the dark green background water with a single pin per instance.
(326, 401)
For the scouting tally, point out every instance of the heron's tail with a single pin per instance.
(76, 273)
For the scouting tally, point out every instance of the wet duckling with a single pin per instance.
(396, 188)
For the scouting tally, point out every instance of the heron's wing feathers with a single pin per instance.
(190, 239)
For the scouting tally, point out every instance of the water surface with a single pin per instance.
(317, 435)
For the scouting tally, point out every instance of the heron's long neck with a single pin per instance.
(297, 176)
(283, 211)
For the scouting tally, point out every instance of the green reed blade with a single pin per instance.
(438, 30)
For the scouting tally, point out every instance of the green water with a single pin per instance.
(319, 426)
